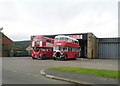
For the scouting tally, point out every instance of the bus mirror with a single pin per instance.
(79, 49)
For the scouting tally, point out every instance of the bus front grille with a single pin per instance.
(58, 54)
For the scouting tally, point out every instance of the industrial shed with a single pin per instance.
(95, 48)
(109, 48)
(5, 45)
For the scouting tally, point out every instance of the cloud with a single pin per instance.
(23, 18)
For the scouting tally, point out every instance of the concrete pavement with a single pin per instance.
(78, 78)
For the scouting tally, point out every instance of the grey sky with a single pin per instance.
(23, 18)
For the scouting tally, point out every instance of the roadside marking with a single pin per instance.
(42, 73)
(32, 74)
(50, 76)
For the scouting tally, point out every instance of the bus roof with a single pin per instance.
(66, 37)
(40, 36)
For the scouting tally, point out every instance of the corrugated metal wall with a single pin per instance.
(109, 48)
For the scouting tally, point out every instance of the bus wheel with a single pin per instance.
(44, 57)
(33, 58)
(54, 58)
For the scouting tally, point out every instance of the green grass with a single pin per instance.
(98, 72)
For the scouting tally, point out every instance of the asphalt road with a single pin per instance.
(24, 70)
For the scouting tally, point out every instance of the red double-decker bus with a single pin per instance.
(42, 47)
(65, 48)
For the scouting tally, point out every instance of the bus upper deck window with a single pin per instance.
(56, 39)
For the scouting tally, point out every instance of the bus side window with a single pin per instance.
(43, 49)
(52, 41)
(40, 49)
(73, 49)
(66, 39)
(48, 41)
(64, 48)
(77, 42)
(69, 40)
(58, 48)
(49, 49)
(43, 40)
(69, 49)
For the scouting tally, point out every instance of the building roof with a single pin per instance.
(3, 35)
(29, 48)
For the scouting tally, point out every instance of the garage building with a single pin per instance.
(93, 47)
(6, 45)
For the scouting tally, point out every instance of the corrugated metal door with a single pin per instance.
(109, 50)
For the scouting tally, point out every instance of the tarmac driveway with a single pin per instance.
(26, 66)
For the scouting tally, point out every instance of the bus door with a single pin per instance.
(49, 52)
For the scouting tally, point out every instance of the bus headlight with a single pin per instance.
(62, 55)
(54, 55)
(40, 55)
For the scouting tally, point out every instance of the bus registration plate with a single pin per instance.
(58, 43)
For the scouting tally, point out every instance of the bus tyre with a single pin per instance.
(54, 58)
(33, 58)
(44, 57)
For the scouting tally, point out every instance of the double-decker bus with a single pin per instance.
(65, 48)
(42, 47)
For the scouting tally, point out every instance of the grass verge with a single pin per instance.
(98, 72)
